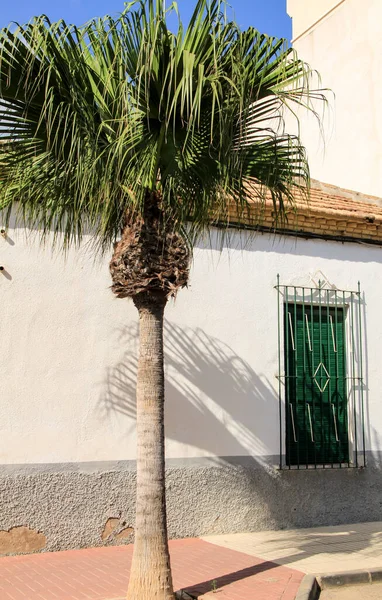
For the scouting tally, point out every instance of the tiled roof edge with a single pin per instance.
(331, 213)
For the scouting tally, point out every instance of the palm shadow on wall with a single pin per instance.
(215, 402)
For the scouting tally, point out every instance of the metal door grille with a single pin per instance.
(321, 388)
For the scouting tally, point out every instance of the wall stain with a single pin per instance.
(18, 540)
(115, 530)
(124, 534)
(110, 526)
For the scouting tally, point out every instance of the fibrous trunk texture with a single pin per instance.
(150, 576)
(151, 254)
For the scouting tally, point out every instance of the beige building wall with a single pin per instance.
(346, 48)
(306, 13)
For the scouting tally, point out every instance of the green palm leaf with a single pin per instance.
(93, 117)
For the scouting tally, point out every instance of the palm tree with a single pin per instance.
(131, 132)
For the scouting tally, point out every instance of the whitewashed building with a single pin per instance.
(273, 376)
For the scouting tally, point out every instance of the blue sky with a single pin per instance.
(269, 16)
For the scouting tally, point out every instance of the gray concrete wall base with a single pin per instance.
(76, 506)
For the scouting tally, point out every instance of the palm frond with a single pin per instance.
(93, 118)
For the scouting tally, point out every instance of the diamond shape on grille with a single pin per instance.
(321, 375)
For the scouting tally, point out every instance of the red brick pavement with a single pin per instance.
(102, 574)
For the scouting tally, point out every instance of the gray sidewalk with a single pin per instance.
(317, 551)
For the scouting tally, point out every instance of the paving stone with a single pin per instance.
(199, 568)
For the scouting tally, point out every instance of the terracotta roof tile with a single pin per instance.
(330, 212)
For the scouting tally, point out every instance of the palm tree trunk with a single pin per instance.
(150, 577)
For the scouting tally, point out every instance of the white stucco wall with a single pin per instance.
(346, 49)
(68, 350)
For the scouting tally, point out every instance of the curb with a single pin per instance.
(350, 578)
(309, 589)
(311, 586)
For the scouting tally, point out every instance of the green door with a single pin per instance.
(315, 383)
